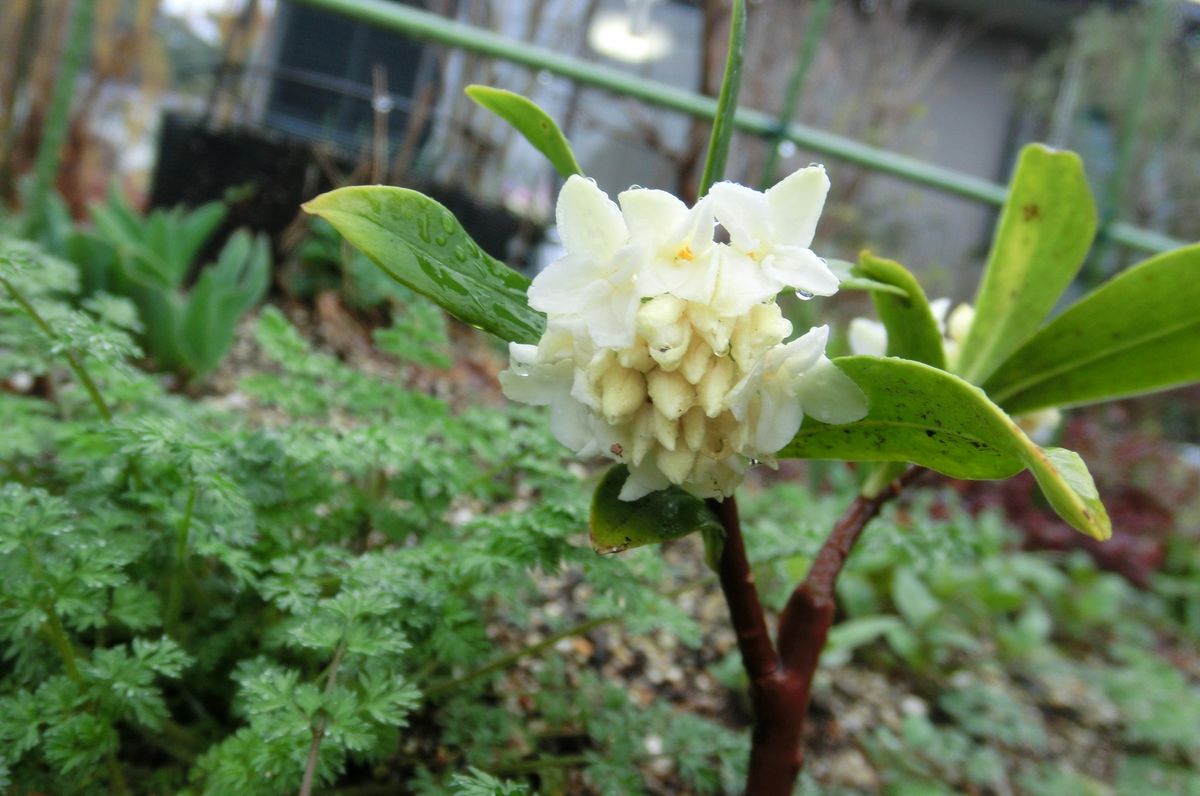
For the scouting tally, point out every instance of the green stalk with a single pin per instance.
(795, 90)
(318, 731)
(175, 592)
(59, 119)
(62, 642)
(427, 26)
(731, 84)
(73, 361)
(1160, 13)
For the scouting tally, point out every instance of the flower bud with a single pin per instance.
(666, 430)
(715, 386)
(622, 392)
(671, 393)
(764, 326)
(695, 363)
(714, 329)
(695, 428)
(676, 464)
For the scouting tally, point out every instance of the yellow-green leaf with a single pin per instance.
(1043, 235)
(911, 328)
(1137, 333)
(528, 119)
(929, 417)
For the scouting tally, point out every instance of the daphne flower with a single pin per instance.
(593, 284)
(770, 234)
(544, 375)
(665, 350)
(674, 244)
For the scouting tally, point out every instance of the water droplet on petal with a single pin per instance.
(804, 295)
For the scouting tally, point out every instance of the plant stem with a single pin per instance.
(781, 682)
(318, 731)
(776, 697)
(54, 133)
(73, 361)
(1137, 92)
(814, 27)
(731, 83)
(541, 763)
(737, 581)
(175, 592)
(62, 643)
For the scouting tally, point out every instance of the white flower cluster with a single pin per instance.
(664, 349)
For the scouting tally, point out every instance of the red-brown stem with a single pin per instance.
(781, 683)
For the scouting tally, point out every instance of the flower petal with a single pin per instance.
(610, 320)
(531, 382)
(800, 269)
(939, 308)
(572, 426)
(779, 418)
(568, 285)
(831, 396)
(741, 283)
(744, 213)
(798, 357)
(643, 479)
(651, 215)
(868, 337)
(589, 222)
(795, 205)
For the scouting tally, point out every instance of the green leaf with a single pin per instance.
(617, 525)
(851, 634)
(913, 600)
(530, 121)
(1044, 232)
(932, 418)
(1137, 333)
(845, 271)
(421, 245)
(911, 328)
(225, 291)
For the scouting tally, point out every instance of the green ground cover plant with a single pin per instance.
(336, 581)
(328, 580)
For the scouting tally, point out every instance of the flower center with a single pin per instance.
(685, 253)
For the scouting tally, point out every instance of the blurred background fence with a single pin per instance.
(918, 105)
